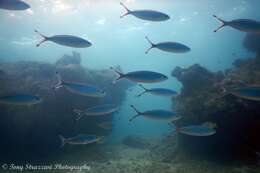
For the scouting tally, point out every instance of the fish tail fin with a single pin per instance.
(127, 10)
(145, 90)
(43, 36)
(143, 87)
(63, 141)
(142, 93)
(79, 114)
(152, 45)
(117, 72)
(137, 115)
(60, 81)
(132, 118)
(223, 23)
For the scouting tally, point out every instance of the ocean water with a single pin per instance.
(30, 134)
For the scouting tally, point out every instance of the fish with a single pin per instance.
(65, 40)
(81, 139)
(97, 110)
(244, 25)
(196, 130)
(149, 15)
(158, 91)
(16, 5)
(20, 100)
(106, 125)
(172, 47)
(81, 89)
(141, 76)
(159, 114)
(249, 92)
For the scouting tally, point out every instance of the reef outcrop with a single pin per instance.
(202, 100)
(33, 131)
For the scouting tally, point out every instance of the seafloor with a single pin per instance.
(154, 156)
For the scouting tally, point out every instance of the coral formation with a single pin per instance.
(35, 129)
(202, 100)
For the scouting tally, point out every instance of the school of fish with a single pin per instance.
(141, 76)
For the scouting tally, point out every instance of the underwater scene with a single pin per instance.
(130, 86)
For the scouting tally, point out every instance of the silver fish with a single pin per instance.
(97, 110)
(245, 25)
(196, 130)
(81, 89)
(81, 139)
(14, 5)
(248, 93)
(141, 76)
(65, 40)
(20, 100)
(149, 15)
(172, 47)
(162, 115)
(158, 91)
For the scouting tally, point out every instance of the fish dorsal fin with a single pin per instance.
(44, 38)
(223, 23)
(152, 45)
(127, 10)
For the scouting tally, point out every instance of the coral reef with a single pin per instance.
(29, 132)
(202, 100)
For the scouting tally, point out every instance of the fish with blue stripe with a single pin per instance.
(248, 92)
(161, 115)
(65, 40)
(81, 89)
(16, 5)
(141, 76)
(158, 91)
(97, 110)
(81, 139)
(196, 130)
(20, 100)
(245, 25)
(150, 15)
(172, 47)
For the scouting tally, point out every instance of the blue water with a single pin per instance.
(122, 42)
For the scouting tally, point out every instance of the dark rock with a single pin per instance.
(33, 131)
(195, 78)
(252, 42)
(65, 60)
(202, 100)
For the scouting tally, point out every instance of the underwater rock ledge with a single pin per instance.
(237, 119)
(35, 129)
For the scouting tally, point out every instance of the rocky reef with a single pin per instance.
(202, 100)
(29, 132)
